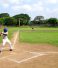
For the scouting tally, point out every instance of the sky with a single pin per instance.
(46, 8)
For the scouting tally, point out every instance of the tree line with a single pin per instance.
(25, 19)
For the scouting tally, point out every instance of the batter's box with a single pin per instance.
(23, 57)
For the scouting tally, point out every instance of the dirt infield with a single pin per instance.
(27, 55)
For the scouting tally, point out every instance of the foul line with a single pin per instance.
(44, 52)
(24, 60)
(15, 38)
(36, 54)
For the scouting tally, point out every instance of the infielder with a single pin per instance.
(4, 34)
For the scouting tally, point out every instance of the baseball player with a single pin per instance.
(4, 34)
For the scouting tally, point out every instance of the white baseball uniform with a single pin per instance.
(6, 40)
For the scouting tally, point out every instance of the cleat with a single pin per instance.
(10, 49)
(0, 51)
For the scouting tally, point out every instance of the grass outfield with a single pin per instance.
(11, 30)
(39, 35)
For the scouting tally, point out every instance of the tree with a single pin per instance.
(39, 19)
(10, 21)
(4, 15)
(52, 21)
(23, 18)
(1, 21)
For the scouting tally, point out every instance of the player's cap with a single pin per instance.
(5, 29)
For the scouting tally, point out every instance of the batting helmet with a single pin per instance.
(5, 29)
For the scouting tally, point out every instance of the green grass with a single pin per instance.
(38, 28)
(40, 35)
(11, 30)
(37, 35)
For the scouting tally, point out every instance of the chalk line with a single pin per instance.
(15, 38)
(44, 52)
(35, 55)
(24, 60)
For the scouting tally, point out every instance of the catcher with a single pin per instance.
(4, 34)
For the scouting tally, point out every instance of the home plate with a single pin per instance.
(23, 57)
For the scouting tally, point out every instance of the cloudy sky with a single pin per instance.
(46, 8)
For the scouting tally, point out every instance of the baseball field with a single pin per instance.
(33, 48)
